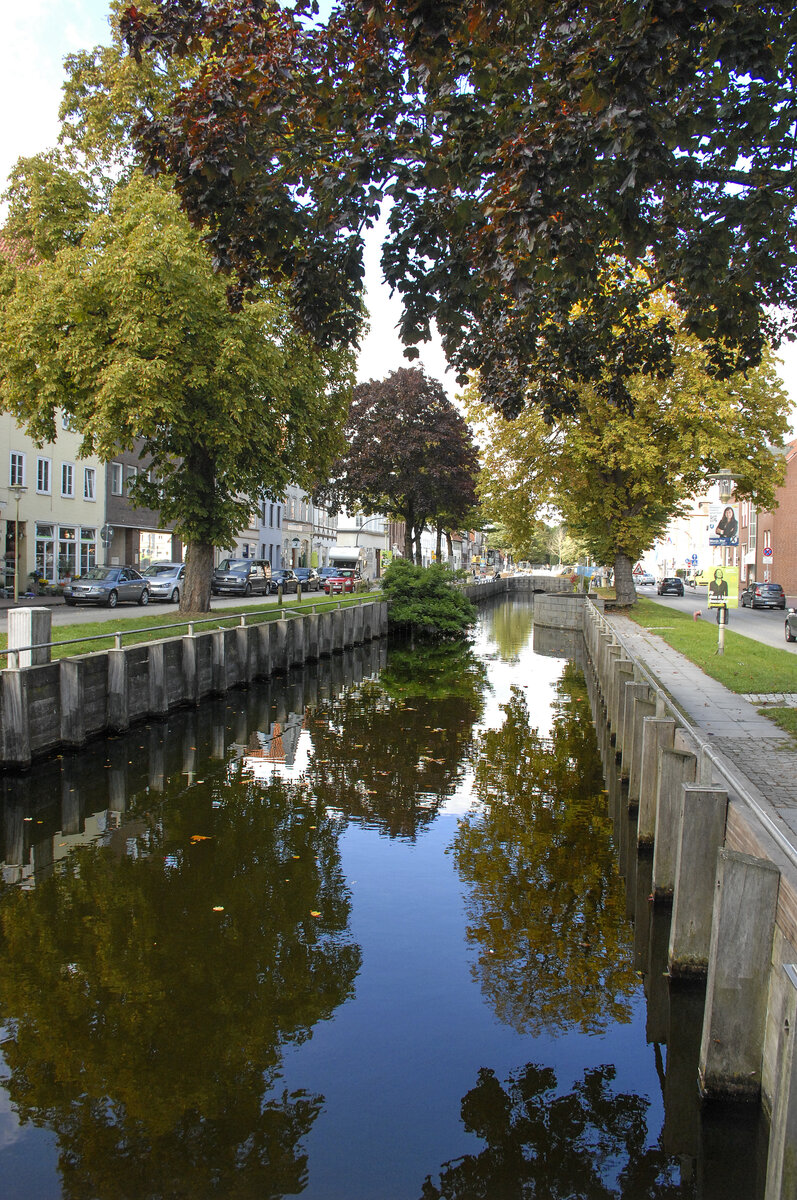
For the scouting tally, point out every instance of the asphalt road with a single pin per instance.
(763, 624)
(85, 614)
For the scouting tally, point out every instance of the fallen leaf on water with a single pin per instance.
(218, 908)
(294, 856)
(314, 913)
(200, 837)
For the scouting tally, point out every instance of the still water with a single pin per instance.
(357, 934)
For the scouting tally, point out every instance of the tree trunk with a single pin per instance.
(438, 550)
(418, 552)
(198, 570)
(624, 580)
(450, 546)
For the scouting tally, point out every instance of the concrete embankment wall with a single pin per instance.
(696, 846)
(65, 703)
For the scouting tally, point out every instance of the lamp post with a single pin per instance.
(19, 491)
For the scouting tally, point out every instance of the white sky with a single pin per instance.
(37, 35)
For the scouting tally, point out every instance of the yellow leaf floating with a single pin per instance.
(199, 837)
(218, 908)
(314, 913)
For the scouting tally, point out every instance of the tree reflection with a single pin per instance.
(391, 752)
(509, 625)
(545, 908)
(590, 1143)
(148, 995)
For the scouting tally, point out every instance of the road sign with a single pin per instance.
(767, 552)
(694, 559)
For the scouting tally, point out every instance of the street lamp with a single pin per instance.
(19, 491)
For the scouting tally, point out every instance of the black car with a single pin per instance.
(309, 578)
(671, 585)
(241, 577)
(763, 595)
(283, 579)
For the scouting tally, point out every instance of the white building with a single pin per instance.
(53, 506)
(372, 534)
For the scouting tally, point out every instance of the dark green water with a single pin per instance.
(357, 934)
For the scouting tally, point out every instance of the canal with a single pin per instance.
(358, 933)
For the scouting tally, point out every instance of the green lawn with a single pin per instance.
(100, 635)
(746, 666)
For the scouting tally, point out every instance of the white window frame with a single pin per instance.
(44, 476)
(68, 472)
(117, 479)
(16, 469)
(89, 484)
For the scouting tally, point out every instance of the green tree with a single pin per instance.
(619, 474)
(423, 600)
(409, 453)
(546, 915)
(123, 325)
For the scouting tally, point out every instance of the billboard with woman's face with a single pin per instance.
(723, 525)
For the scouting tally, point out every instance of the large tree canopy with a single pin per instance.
(410, 454)
(127, 329)
(619, 476)
(524, 146)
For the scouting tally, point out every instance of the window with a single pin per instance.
(68, 423)
(767, 539)
(117, 479)
(753, 528)
(88, 549)
(67, 479)
(43, 476)
(88, 484)
(16, 470)
(130, 477)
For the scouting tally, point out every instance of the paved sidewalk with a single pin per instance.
(763, 754)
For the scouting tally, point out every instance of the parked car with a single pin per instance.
(343, 580)
(309, 579)
(109, 586)
(791, 625)
(165, 581)
(671, 585)
(763, 595)
(325, 572)
(284, 579)
(241, 576)
(643, 578)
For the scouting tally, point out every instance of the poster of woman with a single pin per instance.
(724, 525)
(723, 587)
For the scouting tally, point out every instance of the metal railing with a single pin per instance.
(346, 600)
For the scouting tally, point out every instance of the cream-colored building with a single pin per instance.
(52, 506)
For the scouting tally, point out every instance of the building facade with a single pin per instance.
(308, 531)
(53, 507)
(772, 548)
(133, 536)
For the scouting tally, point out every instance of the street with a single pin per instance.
(86, 614)
(763, 624)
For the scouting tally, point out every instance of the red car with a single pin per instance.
(342, 581)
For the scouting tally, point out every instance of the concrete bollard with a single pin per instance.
(118, 711)
(190, 668)
(632, 692)
(740, 958)
(158, 704)
(625, 674)
(30, 627)
(782, 1157)
(15, 727)
(71, 684)
(218, 669)
(676, 767)
(701, 832)
(658, 734)
(641, 708)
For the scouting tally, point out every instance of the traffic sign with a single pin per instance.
(767, 552)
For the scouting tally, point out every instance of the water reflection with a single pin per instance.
(591, 1143)
(147, 996)
(545, 909)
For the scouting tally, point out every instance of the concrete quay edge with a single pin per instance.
(750, 752)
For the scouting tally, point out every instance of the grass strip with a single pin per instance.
(746, 666)
(784, 718)
(152, 627)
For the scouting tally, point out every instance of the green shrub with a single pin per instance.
(424, 600)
